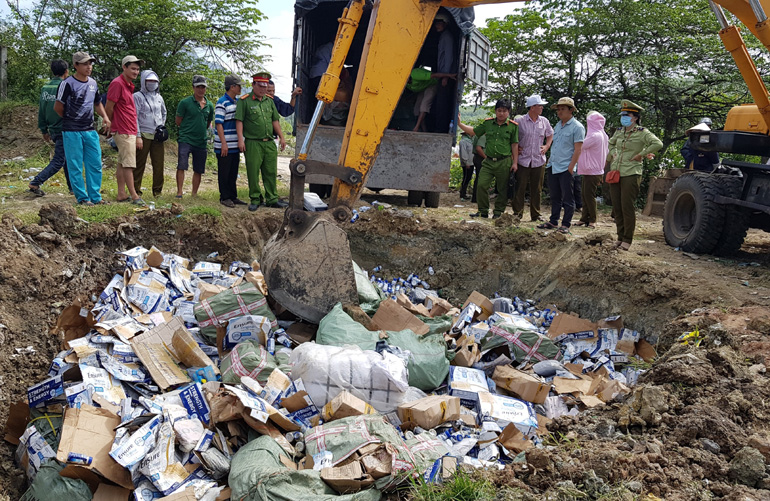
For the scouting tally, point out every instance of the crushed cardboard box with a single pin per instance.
(429, 412)
(521, 384)
(391, 316)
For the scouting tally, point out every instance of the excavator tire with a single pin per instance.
(432, 199)
(414, 198)
(736, 219)
(692, 221)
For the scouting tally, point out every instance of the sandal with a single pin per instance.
(564, 230)
(624, 246)
(547, 226)
(86, 203)
(591, 225)
(35, 190)
(138, 201)
(119, 200)
(179, 197)
(101, 202)
(581, 223)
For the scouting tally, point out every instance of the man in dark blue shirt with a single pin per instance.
(284, 109)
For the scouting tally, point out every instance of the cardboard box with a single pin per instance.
(483, 302)
(566, 326)
(106, 492)
(438, 306)
(506, 410)
(378, 463)
(391, 316)
(646, 351)
(348, 478)
(466, 383)
(429, 412)
(89, 431)
(467, 353)
(163, 347)
(300, 332)
(345, 405)
(523, 385)
(573, 386)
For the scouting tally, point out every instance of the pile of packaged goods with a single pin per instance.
(181, 383)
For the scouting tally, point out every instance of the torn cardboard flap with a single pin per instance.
(163, 347)
(347, 479)
(391, 316)
(514, 440)
(573, 386)
(467, 353)
(107, 492)
(88, 431)
(416, 309)
(438, 306)
(566, 326)
(523, 385)
(483, 302)
(646, 351)
(18, 417)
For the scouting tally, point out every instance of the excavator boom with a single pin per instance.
(307, 263)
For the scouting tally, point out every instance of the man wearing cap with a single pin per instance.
(535, 138)
(256, 121)
(122, 112)
(284, 109)
(76, 100)
(151, 113)
(49, 123)
(226, 142)
(502, 151)
(193, 117)
(568, 138)
(628, 146)
(446, 64)
(704, 161)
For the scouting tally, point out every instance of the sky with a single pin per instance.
(278, 30)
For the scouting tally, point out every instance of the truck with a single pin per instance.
(711, 212)
(418, 162)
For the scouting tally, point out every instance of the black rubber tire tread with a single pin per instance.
(432, 199)
(709, 216)
(736, 219)
(414, 198)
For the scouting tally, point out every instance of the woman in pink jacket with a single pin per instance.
(591, 165)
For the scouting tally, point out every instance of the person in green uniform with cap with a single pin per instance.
(256, 120)
(502, 151)
(628, 146)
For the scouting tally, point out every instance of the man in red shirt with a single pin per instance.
(122, 113)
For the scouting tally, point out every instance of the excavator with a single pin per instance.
(307, 263)
(710, 212)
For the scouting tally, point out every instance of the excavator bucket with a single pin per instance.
(308, 268)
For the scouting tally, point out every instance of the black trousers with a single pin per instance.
(227, 174)
(560, 187)
(477, 159)
(467, 176)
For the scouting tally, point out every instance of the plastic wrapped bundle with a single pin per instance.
(378, 379)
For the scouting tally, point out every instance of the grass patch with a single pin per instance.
(461, 487)
(568, 441)
(102, 213)
(6, 107)
(201, 210)
(28, 217)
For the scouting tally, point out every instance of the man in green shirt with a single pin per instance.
(193, 117)
(49, 123)
(256, 119)
(502, 151)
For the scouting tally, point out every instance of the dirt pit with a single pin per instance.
(679, 435)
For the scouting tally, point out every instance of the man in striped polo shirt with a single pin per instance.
(226, 142)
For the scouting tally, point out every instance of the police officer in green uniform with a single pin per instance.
(256, 121)
(502, 151)
(628, 146)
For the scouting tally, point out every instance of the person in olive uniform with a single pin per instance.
(502, 151)
(256, 120)
(628, 146)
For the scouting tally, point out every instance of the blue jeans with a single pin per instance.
(84, 154)
(57, 162)
(560, 187)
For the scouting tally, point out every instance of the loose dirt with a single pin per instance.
(682, 434)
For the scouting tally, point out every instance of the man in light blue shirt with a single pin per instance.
(568, 135)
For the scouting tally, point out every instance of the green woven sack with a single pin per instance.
(244, 299)
(249, 358)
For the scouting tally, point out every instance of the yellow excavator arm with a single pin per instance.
(307, 264)
(753, 14)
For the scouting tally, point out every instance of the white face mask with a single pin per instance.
(152, 86)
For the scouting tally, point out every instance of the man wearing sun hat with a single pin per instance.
(535, 138)
(193, 117)
(256, 119)
(568, 135)
(122, 112)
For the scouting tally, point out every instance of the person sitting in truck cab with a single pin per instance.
(704, 161)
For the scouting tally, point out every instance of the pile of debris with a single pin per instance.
(190, 383)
